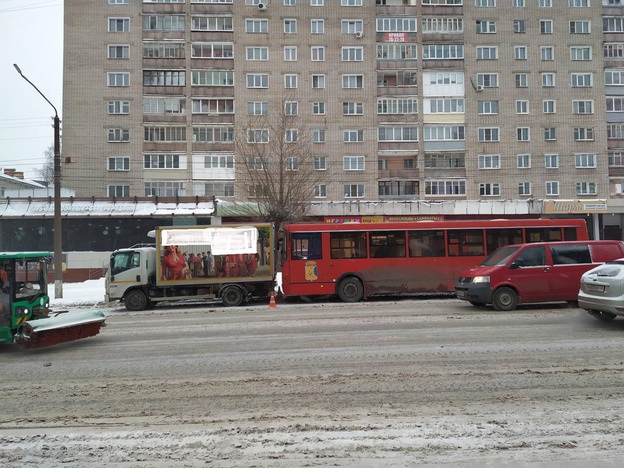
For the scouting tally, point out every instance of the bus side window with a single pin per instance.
(348, 244)
(306, 246)
(501, 237)
(387, 244)
(465, 243)
(426, 243)
(543, 235)
(569, 233)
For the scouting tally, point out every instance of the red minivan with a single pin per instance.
(538, 272)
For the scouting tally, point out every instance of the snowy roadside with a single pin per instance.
(76, 295)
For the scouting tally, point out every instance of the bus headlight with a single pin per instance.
(481, 279)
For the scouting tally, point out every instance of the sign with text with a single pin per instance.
(571, 206)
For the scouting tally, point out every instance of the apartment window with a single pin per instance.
(118, 2)
(255, 163)
(587, 107)
(487, 80)
(352, 81)
(317, 2)
(164, 105)
(545, 3)
(523, 161)
(317, 26)
(487, 107)
(396, 24)
(213, 134)
(552, 188)
(118, 191)
(118, 24)
(351, 3)
(290, 26)
(519, 26)
(260, 53)
(351, 26)
(118, 135)
(485, 3)
(583, 134)
(219, 162)
(318, 136)
(580, 53)
(352, 54)
(291, 108)
(211, 106)
(548, 80)
(486, 134)
(290, 54)
(521, 80)
(522, 107)
(318, 108)
(410, 106)
(615, 131)
(398, 134)
(582, 80)
(445, 187)
(520, 52)
(443, 52)
(320, 191)
(489, 161)
(581, 3)
(317, 53)
(118, 107)
(585, 188)
(292, 163)
(119, 163)
(257, 80)
(616, 159)
(584, 160)
(211, 23)
(547, 53)
(549, 106)
(118, 79)
(118, 51)
(352, 108)
(486, 27)
(524, 188)
(615, 104)
(318, 81)
(256, 26)
(212, 50)
(489, 189)
(523, 134)
(354, 190)
(161, 161)
(487, 53)
(164, 23)
(290, 81)
(164, 78)
(164, 134)
(164, 189)
(550, 133)
(442, 25)
(174, 50)
(611, 24)
(580, 27)
(212, 78)
(518, 3)
(353, 163)
(320, 163)
(546, 26)
(408, 163)
(257, 135)
(444, 132)
(551, 161)
(290, 2)
(382, 164)
(614, 77)
(396, 52)
(353, 136)
(291, 135)
(219, 189)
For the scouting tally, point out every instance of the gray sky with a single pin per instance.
(33, 38)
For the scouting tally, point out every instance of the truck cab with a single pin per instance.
(129, 269)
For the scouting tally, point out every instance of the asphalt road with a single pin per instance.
(385, 382)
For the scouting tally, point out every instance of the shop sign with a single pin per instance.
(572, 207)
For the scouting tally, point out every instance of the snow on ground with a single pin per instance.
(78, 294)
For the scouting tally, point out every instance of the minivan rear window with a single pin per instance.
(500, 256)
(563, 254)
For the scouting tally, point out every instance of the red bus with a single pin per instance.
(355, 261)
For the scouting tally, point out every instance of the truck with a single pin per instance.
(230, 262)
(25, 314)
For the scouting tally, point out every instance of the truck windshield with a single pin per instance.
(30, 279)
(123, 261)
(500, 256)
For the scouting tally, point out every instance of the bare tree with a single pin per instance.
(276, 163)
(46, 173)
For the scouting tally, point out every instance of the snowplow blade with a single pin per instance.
(60, 329)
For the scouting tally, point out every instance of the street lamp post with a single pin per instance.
(58, 239)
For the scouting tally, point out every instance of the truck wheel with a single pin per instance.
(350, 290)
(504, 299)
(136, 300)
(604, 316)
(232, 296)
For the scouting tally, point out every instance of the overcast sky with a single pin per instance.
(32, 32)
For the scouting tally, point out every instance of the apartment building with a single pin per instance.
(431, 100)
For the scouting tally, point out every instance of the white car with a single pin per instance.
(602, 290)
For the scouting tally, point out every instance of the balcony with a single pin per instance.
(398, 173)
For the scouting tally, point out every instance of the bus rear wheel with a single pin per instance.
(350, 290)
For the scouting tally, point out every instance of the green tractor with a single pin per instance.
(25, 315)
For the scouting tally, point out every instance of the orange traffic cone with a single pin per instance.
(272, 304)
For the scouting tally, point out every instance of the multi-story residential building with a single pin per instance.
(484, 100)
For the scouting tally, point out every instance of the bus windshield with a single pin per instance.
(500, 256)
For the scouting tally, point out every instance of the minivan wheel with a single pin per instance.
(504, 299)
(604, 316)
